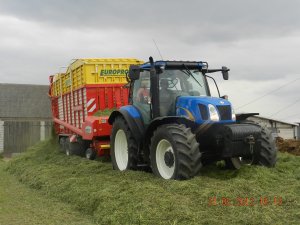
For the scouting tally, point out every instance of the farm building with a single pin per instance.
(279, 128)
(25, 116)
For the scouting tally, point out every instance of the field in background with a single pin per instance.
(252, 195)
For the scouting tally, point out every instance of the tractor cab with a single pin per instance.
(176, 88)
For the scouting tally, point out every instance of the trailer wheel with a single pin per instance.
(90, 154)
(62, 144)
(124, 148)
(174, 152)
(266, 155)
(73, 148)
(68, 150)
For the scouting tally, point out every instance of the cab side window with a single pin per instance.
(141, 95)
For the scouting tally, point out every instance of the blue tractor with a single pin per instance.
(173, 125)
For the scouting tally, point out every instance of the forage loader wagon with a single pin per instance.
(157, 115)
(82, 99)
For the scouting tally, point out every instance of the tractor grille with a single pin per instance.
(224, 112)
(203, 111)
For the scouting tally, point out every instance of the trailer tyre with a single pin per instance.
(62, 144)
(68, 150)
(174, 152)
(124, 148)
(90, 154)
(73, 148)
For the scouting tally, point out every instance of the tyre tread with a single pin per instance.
(189, 156)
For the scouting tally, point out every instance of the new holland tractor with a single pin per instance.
(174, 126)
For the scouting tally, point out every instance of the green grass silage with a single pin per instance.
(135, 197)
(20, 205)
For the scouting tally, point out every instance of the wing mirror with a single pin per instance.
(134, 72)
(225, 72)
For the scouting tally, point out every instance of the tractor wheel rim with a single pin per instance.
(164, 150)
(121, 150)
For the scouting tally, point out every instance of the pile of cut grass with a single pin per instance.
(135, 197)
(105, 112)
(291, 146)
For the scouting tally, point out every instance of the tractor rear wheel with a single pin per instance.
(267, 155)
(174, 152)
(123, 146)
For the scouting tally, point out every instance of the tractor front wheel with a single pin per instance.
(174, 152)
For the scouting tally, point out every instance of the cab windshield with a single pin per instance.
(184, 82)
(172, 84)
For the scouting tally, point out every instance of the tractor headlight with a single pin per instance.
(213, 113)
(233, 116)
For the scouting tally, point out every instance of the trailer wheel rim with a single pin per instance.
(88, 154)
(164, 150)
(121, 150)
(68, 151)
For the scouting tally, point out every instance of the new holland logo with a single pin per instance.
(113, 72)
(221, 102)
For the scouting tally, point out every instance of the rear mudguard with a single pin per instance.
(133, 118)
(244, 116)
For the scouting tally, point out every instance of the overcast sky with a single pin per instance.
(258, 40)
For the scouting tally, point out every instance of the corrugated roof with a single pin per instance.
(280, 121)
(24, 101)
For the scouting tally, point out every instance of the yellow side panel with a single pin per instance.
(92, 71)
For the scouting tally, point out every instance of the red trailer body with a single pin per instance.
(83, 97)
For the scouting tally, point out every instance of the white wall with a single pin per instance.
(1, 136)
(286, 131)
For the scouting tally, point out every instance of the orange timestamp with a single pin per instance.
(245, 201)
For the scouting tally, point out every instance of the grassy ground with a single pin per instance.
(217, 196)
(20, 205)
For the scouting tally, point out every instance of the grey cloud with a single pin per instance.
(257, 40)
(192, 21)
